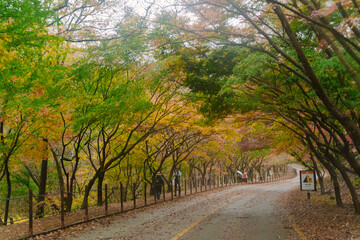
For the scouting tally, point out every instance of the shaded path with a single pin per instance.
(238, 212)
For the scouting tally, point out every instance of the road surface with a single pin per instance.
(247, 211)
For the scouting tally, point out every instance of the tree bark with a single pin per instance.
(42, 188)
(344, 174)
(7, 202)
(99, 190)
(43, 179)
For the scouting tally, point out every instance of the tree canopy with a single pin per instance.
(95, 91)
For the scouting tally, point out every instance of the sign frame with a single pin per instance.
(307, 174)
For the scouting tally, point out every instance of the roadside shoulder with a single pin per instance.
(319, 217)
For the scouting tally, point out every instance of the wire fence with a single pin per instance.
(33, 218)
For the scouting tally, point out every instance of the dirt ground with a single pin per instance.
(319, 218)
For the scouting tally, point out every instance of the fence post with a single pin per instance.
(190, 183)
(86, 205)
(155, 193)
(145, 193)
(172, 192)
(134, 194)
(31, 212)
(62, 217)
(185, 186)
(196, 185)
(164, 193)
(121, 197)
(106, 200)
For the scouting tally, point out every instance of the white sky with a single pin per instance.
(112, 12)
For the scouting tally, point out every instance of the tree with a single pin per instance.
(303, 66)
(28, 54)
(299, 63)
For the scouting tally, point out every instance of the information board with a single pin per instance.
(307, 180)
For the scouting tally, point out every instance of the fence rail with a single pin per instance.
(113, 203)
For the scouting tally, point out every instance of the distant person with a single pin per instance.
(245, 176)
(158, 183)
(239, 176)
(177, 180)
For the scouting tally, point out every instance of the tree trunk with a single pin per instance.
(320, 176)
(70, 192)
(337, 190)
(99, 190)
(343, 172)
(71, 186)
(42, 188)
(7, 203)
(321, 182)
(87, 191)
(60, 176)
(331, 171)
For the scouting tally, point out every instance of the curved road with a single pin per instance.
(248, 211)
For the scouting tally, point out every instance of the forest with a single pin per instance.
(96, 92)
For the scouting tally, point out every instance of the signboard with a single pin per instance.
(307, 180)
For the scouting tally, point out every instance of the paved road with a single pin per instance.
(248, 211)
